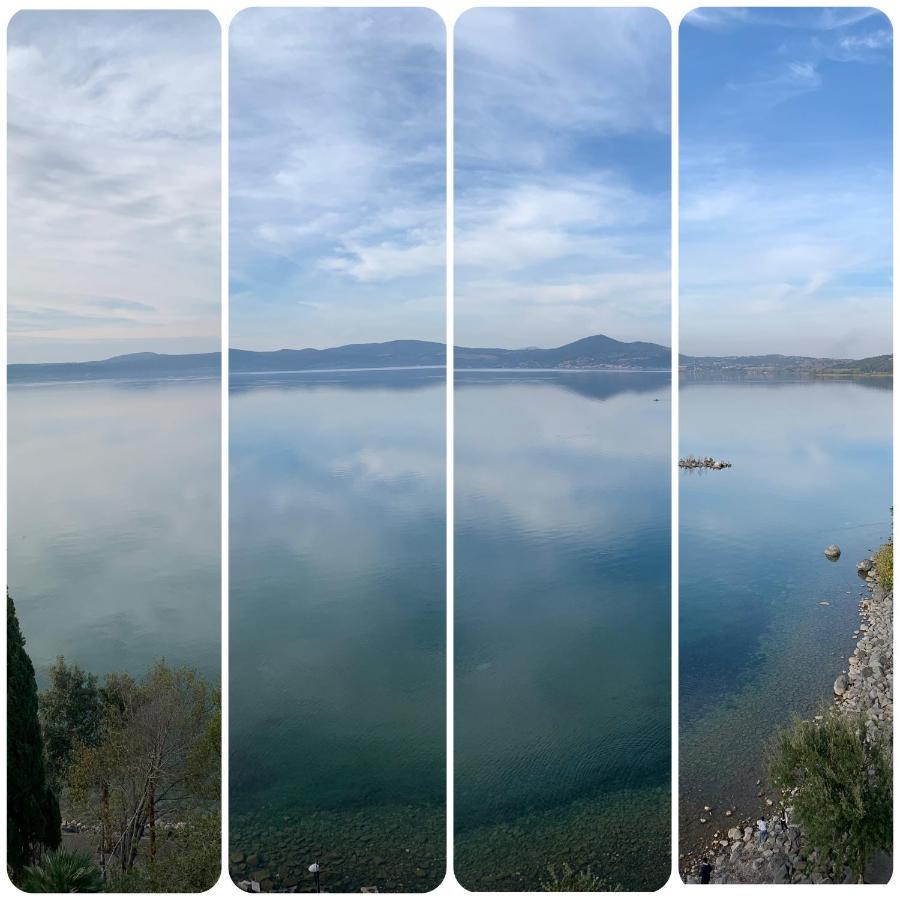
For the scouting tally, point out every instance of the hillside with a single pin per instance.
(130, 365)
(777, 364)
(595, 352)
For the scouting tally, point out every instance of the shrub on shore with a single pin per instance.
(844, 796)
(884, 564)
(63, 872)
(567, 879)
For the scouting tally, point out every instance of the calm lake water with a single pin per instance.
(811, 467)
(337, 628)
(114, 522)
(562, 686)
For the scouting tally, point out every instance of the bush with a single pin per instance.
(188, 861)
(62, 872)
(844, 787)
(884, 563)
(567, 879)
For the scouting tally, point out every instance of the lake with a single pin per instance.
(562, 627)
(338, 628)
(811, 467)
(114, 531)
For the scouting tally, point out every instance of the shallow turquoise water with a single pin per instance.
(114, 529)
(811, 467)
(337, 626)
(562, 719)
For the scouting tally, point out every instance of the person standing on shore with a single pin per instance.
(763, 827)
(705, 871)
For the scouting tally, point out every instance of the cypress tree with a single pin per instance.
(32, 811)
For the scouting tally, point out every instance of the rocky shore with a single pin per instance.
(865, 688)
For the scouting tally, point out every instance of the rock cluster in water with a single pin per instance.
(866, 689)
(694, 462)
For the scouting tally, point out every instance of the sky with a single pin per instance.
(562, 176)
(114, 184)
(337, 177)
(785, 152)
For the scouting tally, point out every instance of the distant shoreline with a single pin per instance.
(598, 353)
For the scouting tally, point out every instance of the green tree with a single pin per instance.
(71, 713)
(188, 861)
(844, 787)
(158, 758)
(32, 812)
(63, 872)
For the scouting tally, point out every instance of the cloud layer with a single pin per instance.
(337, 151)
(562, 175)
(114, 187)
(786, 182)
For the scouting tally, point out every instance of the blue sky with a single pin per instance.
(785, 182)
(337, 180)
(562, 176)
(114, 184)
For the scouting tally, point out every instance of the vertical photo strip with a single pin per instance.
(337, 720)
(562, 470)
(786, 559)
(445, 639)
(114, 448)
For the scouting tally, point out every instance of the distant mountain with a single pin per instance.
(595, 352)
(871, 365)
(350, 356)
(130, 365)
(777, 364)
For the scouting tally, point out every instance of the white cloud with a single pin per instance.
(555, 222)
(113, 180)
(783, 261)
(337, 174)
